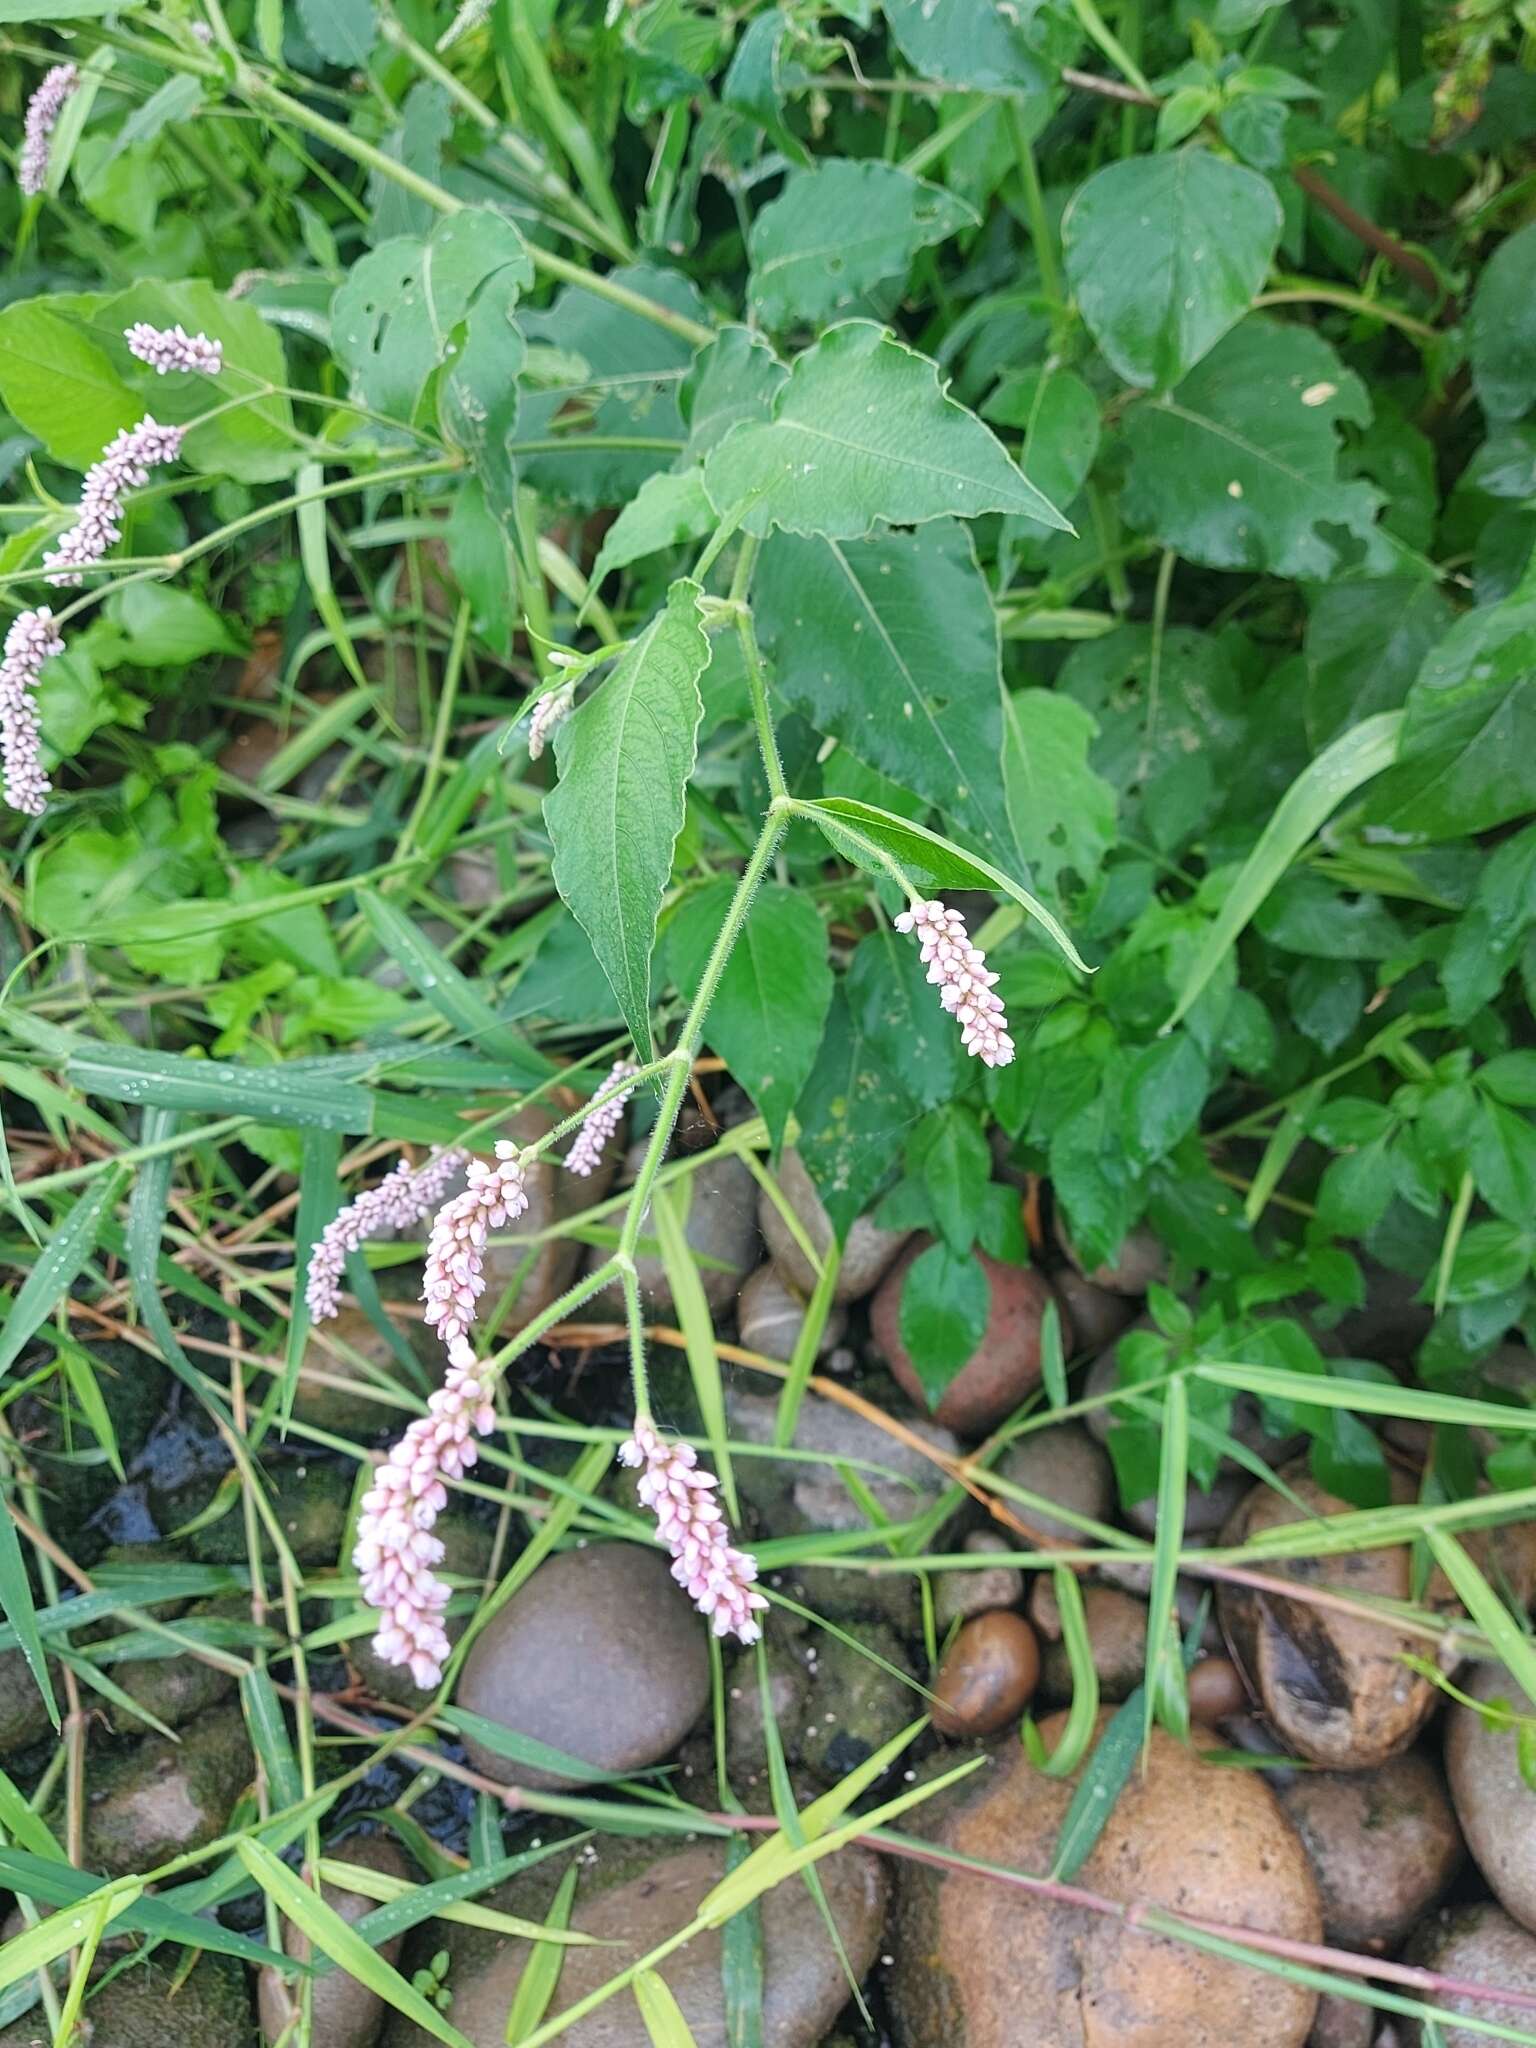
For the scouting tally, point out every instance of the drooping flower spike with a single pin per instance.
(586, 1155)
(30, 640)
(395, 1549)
(454, 1279)
(43, 110)
(717, 1577)
(124, 465)
(172, 348)
(404, 1196)
(960, 973)
(552, 710)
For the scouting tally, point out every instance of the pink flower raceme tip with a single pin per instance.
(454, 1279)
(396, 1550)
(172, 348)
(586, 1155)
(32, 637)
(552, 710)
(718, 1578)
(402, 1198)
(43, 110)
(960, 973)
(124, 465)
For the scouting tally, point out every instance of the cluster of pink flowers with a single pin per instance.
(454, 1278)
(31, 639)
(125, 464)
(552, 709)
(718, 1578)
(43, 110)
(396, 1549)
(960, 973)
(586, 1155)
(402, 1198)
(172, 348)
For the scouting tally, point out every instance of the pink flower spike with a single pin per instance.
(402, 1198)
(32, 638)
(454, 1278)
(125, 464)
(586, 1155)
(717, 1577)
(552, 709)
(172, 348)
(959, 971)
(43, 110)
(395, 1549)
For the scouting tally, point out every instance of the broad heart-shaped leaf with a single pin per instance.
(863, 431)
(1467, 758)
(855, 827)
(630, 366)
(767, 1016)
(57, 382)
(394, 313)
(837, 230)
(984, 43)
(891, 645)
(1365, 644)
(1239, 468)
(1501, 329)
(853, 1117)
(1164, 254)
(1062, 812)
(625, 759)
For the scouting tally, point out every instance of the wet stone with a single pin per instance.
(987, 1678)
(153, 2006)
(960, 1594)
(149, 1803)
(771, 1314)
(345, 2012)
(1004, 1367)
(1496, 1807)
(866, 1256)
(1384, 1845)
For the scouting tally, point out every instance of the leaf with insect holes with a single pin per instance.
(836, 231)
(862, 431)
(853, 1115)
(625, 758)
(1164, 254)
(1238, 467)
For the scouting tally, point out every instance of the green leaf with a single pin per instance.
(853, 1115)
(767, 1016)
(1095, 1180)
(479, 398)
(1164, 254)
(1062, 811)
(754, 86)
(290, 1093)
(433, 975)
(1503, 1158)
(625, 758)
(1501, 328)
(891, 646)
(395, 313)
(861, 431)
(1307, 805)
(180, 96)
(946, 1299)
(17, 1606)
(57, 1266)
(540, 1976)
(1365, 644)
(976, 42)
(854, 827)
(736, 378)
(1467, 759)
(836, 231)
(950, 1153)
(907, 1032)
(169, 628)
(1165, 1087)
(57, 383)
(1059, 418)
(1239, 468)
(36, 1948)
(668, 509)
(342, 1943)
(665, 2026)
(1099, 1788)
(343, 31)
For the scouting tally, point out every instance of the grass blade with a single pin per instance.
(664, 2023)
(1099, 1788)
(343, 1944)
(807, 1344)
(1353, 758)
(319, 1195)
(1166, 1697)
(698, 1328)
(1084, 1712)
(16, 1600)
(316, 558)
(540, 1980)
(57, 1267)
(27, 1953)
(454, 997)
(269, 1737)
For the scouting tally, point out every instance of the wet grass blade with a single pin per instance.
(807, 1344)
(16, 1600)
(25, 1827)
(57, 1267)
(1105, 1778)
(1167, 1699)
(343, 1944)
(316, 558)
(454, 997)
(665, 2026)
(1353, 758)
(1486, 1609)
(319, 1199)
(1078, 1733)
(540, 1978)
(38, 1947)
(269, 1738)
(283, 1094)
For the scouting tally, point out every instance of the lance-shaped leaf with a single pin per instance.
(625, 759)
(862, 431)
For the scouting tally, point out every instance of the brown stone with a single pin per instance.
(346, 2013)
(1061, 1464)
(987, 1676)
(1097, 1316)
(1384, 1845)
(983, 1965)
(1216, 1690)
(866, 1255)
(1004, 1367)
(960, 1594)
(1496, 1807)
(771, 1314)
(1140, 1259)
(1117, 1638)
(1479, 1945)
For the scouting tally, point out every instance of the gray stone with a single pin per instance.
(866, 1256)
(23, 1716)
(178, 1687)
(1096, 1316)
(1061, 1464)
(1481, 1945)
(959, 1595)
(1495, 1806)
(770, 1316)
(1384, 1845)
(721, 1232)
(600, 1654)
(351, 1350)
(855, 1704)
(345, 2012)
(152, 2006)
(160, 1798)
(466, 1545)
(804, 1987)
